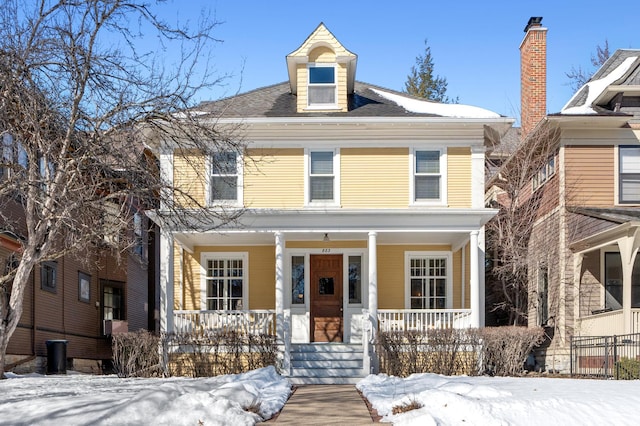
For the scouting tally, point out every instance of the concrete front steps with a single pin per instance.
(326, 363)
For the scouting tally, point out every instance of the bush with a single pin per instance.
(447, 351)
(216, 352)
(136, 354)
(498, 351)
(505, 349)
(628, 369)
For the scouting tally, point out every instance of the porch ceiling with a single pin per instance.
(190, 240)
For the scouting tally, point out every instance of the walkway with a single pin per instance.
(325, 405)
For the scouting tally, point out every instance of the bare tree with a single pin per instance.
(509, 232)
(579, 76)
(84, 86)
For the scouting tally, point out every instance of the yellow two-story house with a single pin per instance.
(362, 210)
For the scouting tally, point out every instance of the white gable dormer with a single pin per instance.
(321, 73)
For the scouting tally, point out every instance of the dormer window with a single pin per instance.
(322, 86)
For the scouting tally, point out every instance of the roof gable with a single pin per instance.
(321, 41)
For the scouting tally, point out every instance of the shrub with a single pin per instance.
(216, 352)
(497, 351)
(136, 354)
(446, 351)
(628, 369)
(505, 349)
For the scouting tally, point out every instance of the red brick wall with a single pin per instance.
(533, 78)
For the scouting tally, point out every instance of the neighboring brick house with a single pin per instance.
(79, 298)
(361, 206)
(583, 268)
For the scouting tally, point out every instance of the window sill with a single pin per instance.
(323, 107)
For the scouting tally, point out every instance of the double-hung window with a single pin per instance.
(224, 281)
(225, 177)
(427, 176)
(322, 180)
(429, 281)
(322, 86)
(629, 174)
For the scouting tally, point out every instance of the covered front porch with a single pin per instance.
(607, 282)
(326, 278)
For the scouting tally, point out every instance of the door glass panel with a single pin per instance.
(297, 280)
(325, 286)
(355, 281)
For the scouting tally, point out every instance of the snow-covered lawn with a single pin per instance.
(504, 400)
(107, 400)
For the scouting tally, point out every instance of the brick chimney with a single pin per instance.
(533, 75)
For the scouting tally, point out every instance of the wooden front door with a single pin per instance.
(326, 298)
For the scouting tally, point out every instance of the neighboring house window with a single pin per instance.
(428, 281)
(113, 300)
(322, 86)
(14, 156)
(629, 178)
(612, 281)
(545, 173)
(355, 279)
(224, 177)
(322, 179)
(428, 176)
(543, 295)
(48, 276)
(138, 235)
(297, 280)
(225, 279)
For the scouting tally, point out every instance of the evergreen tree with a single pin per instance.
(422, 83)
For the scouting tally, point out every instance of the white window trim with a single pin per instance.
(442, 201)
(240, 184)
(617, 188)
(336, 178)
(320, 106)
(544, 173)
(408, 255)
(204, 257)
(345, 252)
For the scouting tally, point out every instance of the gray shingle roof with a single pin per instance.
(277, 101)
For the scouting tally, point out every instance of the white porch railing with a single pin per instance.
(423, 319)
(608, 323)
(246, 322)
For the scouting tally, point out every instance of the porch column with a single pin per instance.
(628, 249)
(474, 280)
(166, 281)
(578, 259)
(279, 285)
(373, 280)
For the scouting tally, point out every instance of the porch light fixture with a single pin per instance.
(325, 238)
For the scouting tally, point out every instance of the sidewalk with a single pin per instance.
(325, 405)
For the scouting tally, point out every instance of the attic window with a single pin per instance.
(322, 86)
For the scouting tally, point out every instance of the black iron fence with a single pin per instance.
(608, 357)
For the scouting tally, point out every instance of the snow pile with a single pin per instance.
(503, 400)
(437, 108)
(109, 400)
(596, 87)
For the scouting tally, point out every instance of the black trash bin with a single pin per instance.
(56, 356)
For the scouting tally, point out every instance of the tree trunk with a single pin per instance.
(11, 304)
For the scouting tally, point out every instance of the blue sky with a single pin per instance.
(474, 43)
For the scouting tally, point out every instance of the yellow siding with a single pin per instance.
(457, 277)
(391, 273)
(459, 177)
(274, 178)
(303, 78)
(590, 176)
(322, 54)
(261, 275)
(342, 87)
(374, 177)
(189, 178)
